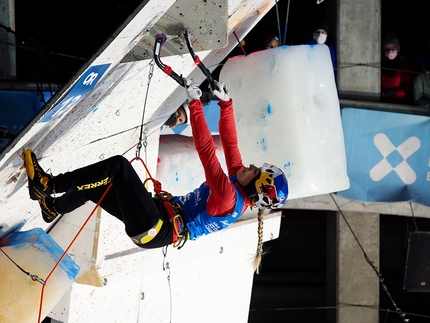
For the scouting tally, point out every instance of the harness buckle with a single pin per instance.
(175, 213)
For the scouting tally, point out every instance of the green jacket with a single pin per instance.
(422, 90)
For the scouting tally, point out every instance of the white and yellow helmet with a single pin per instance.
(271, 187)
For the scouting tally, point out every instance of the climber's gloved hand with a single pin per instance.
(221, 91)
(193, 90)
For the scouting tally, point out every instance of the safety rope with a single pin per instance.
(157, 189)
(375, 269)
(161, 193)
(68, 248)
(278, 22)
(286, 24)
(142, 142)
(156, 184)
(282, 41)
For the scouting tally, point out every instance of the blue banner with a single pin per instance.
(388, 156)
(17, 108)
(212, 113)
(85, 84)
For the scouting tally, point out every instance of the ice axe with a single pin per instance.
(160, 39)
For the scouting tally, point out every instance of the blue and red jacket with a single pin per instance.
(220, 200)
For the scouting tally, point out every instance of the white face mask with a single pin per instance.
(320, 38)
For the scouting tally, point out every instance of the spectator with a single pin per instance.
(319, 36)
(422, 88)
(422, 57)
(270, 40)
(396, 74)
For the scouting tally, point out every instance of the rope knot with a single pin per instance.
(157, 186)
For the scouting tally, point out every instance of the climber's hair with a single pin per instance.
(259, 253)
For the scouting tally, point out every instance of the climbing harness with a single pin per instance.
(173, 209)
(176, 216)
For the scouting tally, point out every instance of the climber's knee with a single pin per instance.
(147, 236)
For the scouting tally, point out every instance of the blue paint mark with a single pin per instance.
(269, 109)
(287, 169)
(262, 143)
(40, 241)
(177, 177)
(95, 109)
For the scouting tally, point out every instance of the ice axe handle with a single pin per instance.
(205, 72)
(198, 62)
(160, 39)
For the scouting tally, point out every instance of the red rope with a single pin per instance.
(68, 248)
(157, 190)
(155, 183)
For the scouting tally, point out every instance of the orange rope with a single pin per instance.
(157, 190)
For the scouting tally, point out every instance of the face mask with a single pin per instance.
(320, 38)
(391, 54)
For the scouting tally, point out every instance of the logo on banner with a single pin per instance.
(85, 84)
(394, 159)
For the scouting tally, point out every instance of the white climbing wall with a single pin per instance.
(100, 114)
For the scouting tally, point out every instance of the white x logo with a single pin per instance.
(403, 170)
